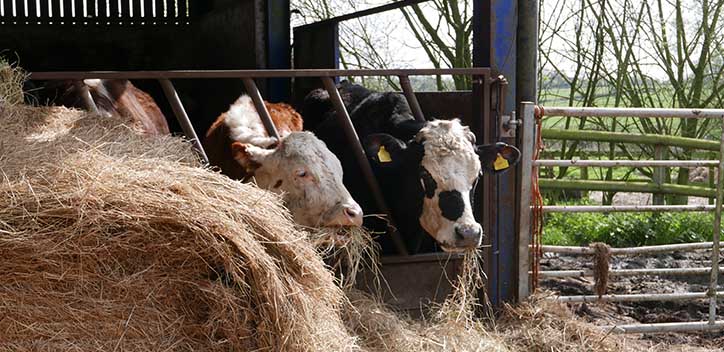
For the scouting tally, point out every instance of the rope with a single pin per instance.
(537, 201)
(601, 258)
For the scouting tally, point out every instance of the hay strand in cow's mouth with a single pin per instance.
(465, 301)
(349, 251)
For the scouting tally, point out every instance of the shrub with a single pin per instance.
(627, 229)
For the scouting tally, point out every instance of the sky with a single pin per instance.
(397, 38)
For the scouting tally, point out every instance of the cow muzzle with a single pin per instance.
(348, 214)
(466, 237)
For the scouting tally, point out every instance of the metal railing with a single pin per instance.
(532, 115)
(481, 75)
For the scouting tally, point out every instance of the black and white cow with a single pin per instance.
(427, 170)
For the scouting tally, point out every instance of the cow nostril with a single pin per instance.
(352, 215)
(351, 212)
(467, 232)
(459, 234)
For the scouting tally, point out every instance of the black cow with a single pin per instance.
(427, 170)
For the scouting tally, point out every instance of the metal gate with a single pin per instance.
(529, 250)
(400, 266)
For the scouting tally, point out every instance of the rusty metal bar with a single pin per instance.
(182, 117)
(422, 258)
(411, 98)
(362, 160)
(484, 71)
(261, 109)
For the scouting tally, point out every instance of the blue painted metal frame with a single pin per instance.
(494, 46)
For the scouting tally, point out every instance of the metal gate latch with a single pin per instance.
(508, 125)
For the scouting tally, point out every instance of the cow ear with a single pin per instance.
(250, 157)
(384, 150)
(498, 157)
(407, 129)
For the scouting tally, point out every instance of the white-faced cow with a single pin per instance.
(112, 97)
(427, 170)
(298, 166)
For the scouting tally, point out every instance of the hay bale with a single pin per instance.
(542, 325)
(115, 241)
(33, 136)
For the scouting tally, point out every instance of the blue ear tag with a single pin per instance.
(383, 155)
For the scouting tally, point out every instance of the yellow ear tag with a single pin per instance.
(500, 163)
(384, 155)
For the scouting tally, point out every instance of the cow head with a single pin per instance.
(307, 175)
(442, 163)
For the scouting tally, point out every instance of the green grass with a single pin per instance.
(627, 229)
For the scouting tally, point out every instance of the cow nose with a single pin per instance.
(353, 213)
(468, 235)
(348, 214)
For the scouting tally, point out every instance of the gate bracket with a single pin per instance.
(508, 125)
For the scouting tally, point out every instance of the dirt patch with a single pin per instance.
(641, 312)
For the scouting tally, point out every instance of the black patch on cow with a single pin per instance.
(428, 183)
(406, 129)
(452, 205)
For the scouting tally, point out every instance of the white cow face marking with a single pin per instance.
(449, 170)
(446, 164)
(307, 175)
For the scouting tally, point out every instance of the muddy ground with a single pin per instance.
(642, 312)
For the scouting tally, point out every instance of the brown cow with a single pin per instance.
(242, 124)
(298, 166)
(114, 97)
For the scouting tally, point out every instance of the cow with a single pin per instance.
(112, 97)
(298, 165)
(427, 170)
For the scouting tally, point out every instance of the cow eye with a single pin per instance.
(301, 173)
